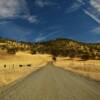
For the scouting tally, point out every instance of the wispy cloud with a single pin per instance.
(43, 36)
(43, 3)
(30, 18)
(15, 31)
(94, 10)
(95, 4)
(75, 6)
(91, 8)
(12, 9)
(92, 16)
(96, 30)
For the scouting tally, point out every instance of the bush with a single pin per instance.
(54, 52)
(54, 58)
(33, 50)
(85, 57)
(11, 50)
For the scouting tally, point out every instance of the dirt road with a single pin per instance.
(52, 83)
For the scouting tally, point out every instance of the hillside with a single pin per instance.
(12, 46)
(70, 48)
(59, 47)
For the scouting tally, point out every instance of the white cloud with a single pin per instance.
(31, 18)
(43, 3)
(39, 39)
(11, 9)
(81, 1)
(96, 30)
(75, 6)
(91, 8)
(92, 16)
(43, 36)
(94, 10)
(95, 4)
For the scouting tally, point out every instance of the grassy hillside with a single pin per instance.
(58, 47)
(69, 48)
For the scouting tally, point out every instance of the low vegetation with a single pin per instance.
(58, 47)
(17, 53)
(13, 67)
(89, 68)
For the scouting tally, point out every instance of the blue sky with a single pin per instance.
(38, 20)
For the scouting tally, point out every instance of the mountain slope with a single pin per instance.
(57, 47)
(71, 48)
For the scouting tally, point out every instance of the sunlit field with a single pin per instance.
(89, 68)
(13, 67)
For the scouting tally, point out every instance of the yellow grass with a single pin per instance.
(12, 71)
(90, 68)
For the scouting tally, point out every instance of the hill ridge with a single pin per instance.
(57, 47)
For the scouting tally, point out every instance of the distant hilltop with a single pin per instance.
(58, 47)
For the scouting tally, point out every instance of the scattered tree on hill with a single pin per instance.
(85, 57)
(11, 50)
(58, 47)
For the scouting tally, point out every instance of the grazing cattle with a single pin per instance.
(29, 65)
(20, 65)
(5, 66)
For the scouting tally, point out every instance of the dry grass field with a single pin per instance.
(89, 68)
(13, 67)
(17, 66)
